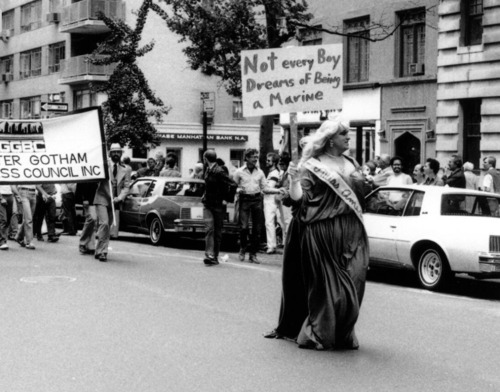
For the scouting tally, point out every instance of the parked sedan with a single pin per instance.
(436, 231)
(158, 206)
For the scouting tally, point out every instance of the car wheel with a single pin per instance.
(156, 233)
(433, 269)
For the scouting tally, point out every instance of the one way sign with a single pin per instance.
(54, 107)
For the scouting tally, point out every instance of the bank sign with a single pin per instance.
(210, 138)
(287, 80)
(62, 149)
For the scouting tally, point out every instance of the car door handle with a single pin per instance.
(392, 227)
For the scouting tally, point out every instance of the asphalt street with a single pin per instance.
(156, 319)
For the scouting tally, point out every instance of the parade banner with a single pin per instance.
(62, 149)
(295, 79)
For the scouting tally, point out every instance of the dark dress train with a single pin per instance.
(324, 269)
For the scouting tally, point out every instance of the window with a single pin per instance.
(238, 110)
(412, 43)
(311, 37)
(415, 204)
(358, 50)
(6, 109)
(8, 21)
(30, 107)
(388, 202)
(471, 22)
(84, 99)
(471, 110)
(140, 188)
(31, 16)
(6, 65)
(140, 153)
(31, 63)
(57, 52)
(236, 157)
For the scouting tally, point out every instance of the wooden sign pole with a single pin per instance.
(294, 143)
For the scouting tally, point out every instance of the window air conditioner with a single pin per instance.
(4, 35)
(53, 17)
(416, 68)
(7, 77)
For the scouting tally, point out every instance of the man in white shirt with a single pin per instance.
(251, 182)
(398, 177)
(491, 180)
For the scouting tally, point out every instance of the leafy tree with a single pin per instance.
(126, 117)
(218, 30)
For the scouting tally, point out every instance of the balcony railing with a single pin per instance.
(79, 69)
(81, 17)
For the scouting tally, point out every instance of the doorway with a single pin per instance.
(408, 147)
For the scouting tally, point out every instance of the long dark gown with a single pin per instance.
(324, 269)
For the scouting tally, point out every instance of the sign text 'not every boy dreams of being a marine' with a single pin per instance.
(295, 79)
(60, 149)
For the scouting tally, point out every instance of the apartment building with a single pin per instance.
(44, 71)
(389, 82)
(468, 94)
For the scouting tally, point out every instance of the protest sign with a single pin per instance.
(295, 79)
(69, 148)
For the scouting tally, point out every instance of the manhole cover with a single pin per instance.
(47, 279)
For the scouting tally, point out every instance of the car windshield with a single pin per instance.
(179, 188)
(472, 205)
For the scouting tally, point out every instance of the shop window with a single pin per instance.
(236, 157)
(84, 99)
(238, 110)
(31, 63)
(471, 110)
(30, 107)
(140, 153)
(6, 109)
(412, 43)
(57, 52)
(8, 22)
(358, 49)
(31, 16)
(471, 24)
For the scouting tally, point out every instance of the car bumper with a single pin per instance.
(489, 264)
(192, 226)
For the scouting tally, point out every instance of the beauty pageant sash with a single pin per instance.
(336, 183)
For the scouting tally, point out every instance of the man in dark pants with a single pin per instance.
(251, 182)
(216, 182)
(45, 207)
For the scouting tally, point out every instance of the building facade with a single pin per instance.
(468, 94)
(390, 78)
(43, 70)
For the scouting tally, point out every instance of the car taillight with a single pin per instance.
(185, 213)
(494, 243)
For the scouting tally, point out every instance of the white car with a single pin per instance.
(436, 231)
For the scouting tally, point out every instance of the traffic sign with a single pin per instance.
(54, 107)
(208, 105)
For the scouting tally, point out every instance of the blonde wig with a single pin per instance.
(315, 144)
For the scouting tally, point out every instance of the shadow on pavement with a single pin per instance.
(462, 285)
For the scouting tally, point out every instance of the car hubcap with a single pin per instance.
(431, 268)
(155, 230)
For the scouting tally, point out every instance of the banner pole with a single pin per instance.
(294, 143)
